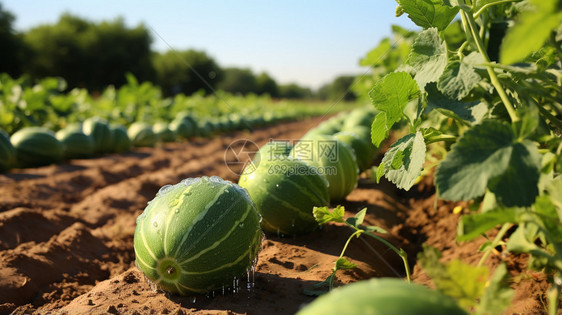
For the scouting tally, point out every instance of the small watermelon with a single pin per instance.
(364, 151)
(197, 236)
(36, 146)
(98, 129)
(141, 134)
(163, 132)
(121, 142)
(77, 145)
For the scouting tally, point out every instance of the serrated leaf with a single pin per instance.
(428, 57)
(343, 264)
(397, 160)
(487, 156)
(472, 112)
(458, 78)
(456, 279)
(428, 13)
(379, 129)
(498, 295)
(324, 215)
(412, 150)
(391, 95)
(530, 33)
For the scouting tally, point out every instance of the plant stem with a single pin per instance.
(399, 252)
(486, 6)
(441, 138)
(553, 293)
(495, 242)
(469, 20)
(356, 233)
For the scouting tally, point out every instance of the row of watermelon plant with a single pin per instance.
(483, 112)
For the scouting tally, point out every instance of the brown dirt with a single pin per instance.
(66, 237)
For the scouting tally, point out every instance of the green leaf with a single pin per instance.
(459, 77)
(374, 229)
(486, 156)
(358, 219)
(498, 295)
(460, 281)
(411, 150)
(528, 123)
(343, 264)
(428, 13)
(391, 95)
(376, 56)
(472, 112)
(530, 33)
(324, 215)
(380, 171)
(474, 225)
(379, 129)
(428, 57)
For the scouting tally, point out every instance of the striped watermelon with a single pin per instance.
(285, 191)
(36, 146)
(77, 145)
(163, 132)
(7, 152)
(98, 129)
(333, 159)
(141, 134)
(381, 297)
(120, 139)
(197, 236)
(273, 148)
(364, 151)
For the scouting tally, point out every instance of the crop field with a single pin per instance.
(437, 190)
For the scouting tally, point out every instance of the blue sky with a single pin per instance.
(309, 41)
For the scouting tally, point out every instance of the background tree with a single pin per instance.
(294, 91)
(186, 72)
(238, 80)
(338, 89)
(12, 46)
(267, 85)
(88, 55)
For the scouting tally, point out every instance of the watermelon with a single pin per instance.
(141, 134)
(36, 146)
(381, 297)
(359, 117)
(285, 191)
(121, 142)
(77, 145)
(271, 149)
(197, 236)
(163, 132)
(98, 129)
(363, 150)
(183, 128)
(7, 152)
(333, 159)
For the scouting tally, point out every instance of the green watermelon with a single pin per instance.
(77, 145)
(285, 191)
(163, 132)
(98, 129)
(271, 149)
(7, 152)
(364, 151)
(141, 134)
(333, 159)
(183, 128)
(36, 146)
(381, 297)
(121, 142)
(197, 236)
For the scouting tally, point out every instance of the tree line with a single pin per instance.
(94, 55)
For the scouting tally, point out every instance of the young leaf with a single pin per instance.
(428, 57)
(376, 56)
(358, 219)
(411, 149)
(472, 112)
(390, 96)
(380, 171)
(343, 264)
(324, 215)
(428, 13)
(533, 29)
(487, 156)
(474, 225)
(460, 281)
(498, 295)
(459, 77)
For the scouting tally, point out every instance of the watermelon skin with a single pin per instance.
(359, 117)
(99, 130)
(364, 151)
(197, 236)
(142, 135)
(77, 145)
(120, 139)
(163, 132)
(7, 152)
(381, 297)
(36, 146)
(184, 129)
(272, 149)
(285, 192)
(333, 159)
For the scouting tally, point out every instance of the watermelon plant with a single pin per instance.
(285, 191)
(490, 102)
(36, 146)
(197, 236)
(331, 158)
(383, 296)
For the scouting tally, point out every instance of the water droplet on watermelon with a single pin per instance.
(164, 189)
(155, 224)
(193, 299)
(241, 225)
(223, 290)
(277, 185)
(177, 210)
(226, 191)
(171, 270)
(218, 202)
